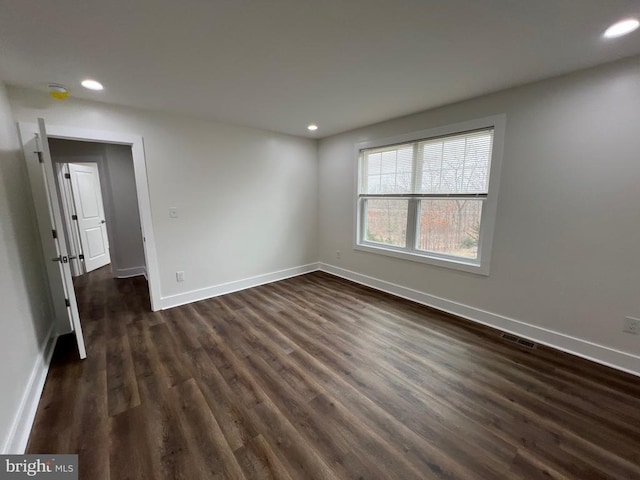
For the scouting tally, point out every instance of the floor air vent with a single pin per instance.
(520, 341)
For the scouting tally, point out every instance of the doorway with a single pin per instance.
(99, 205)
(46, 196)
(133, 144)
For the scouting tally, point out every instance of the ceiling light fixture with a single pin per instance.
(622, 28)
(313, 127)
(92, 84)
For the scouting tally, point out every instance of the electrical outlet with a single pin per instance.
(632, 325)
(338, 254)
(180, 276)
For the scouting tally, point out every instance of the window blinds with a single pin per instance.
(451, 165)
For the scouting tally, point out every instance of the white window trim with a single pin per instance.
(481, 265)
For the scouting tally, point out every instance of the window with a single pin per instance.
(431, 196)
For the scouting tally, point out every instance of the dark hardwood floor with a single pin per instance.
(318, 378)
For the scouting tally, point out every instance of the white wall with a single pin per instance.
(566, 253)
(247, 198)
(120, 200)
(25, 316)
(124, 224)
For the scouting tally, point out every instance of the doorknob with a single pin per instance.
(102, 221)
(61, 259)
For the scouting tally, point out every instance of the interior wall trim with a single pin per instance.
(230, 287)
(130, 272)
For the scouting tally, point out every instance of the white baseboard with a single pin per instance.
(129, 272)
(591, 351)
(224, 288)
(16, 441)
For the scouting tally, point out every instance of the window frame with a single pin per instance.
(481, 265)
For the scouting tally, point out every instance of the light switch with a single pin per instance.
(173, 212)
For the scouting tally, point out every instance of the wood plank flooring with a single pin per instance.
(318, 378)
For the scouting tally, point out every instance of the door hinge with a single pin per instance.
(54, 233)
(39, 153)
(67, 302)
(81, 257)
(74, 217)
(67, 176)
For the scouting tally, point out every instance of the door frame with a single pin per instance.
(142, 190)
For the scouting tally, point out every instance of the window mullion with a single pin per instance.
(417, 168)
(412, 214)
(363, 179)
(412, 224)
(362, 210)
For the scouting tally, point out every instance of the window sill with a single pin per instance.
(470, 266)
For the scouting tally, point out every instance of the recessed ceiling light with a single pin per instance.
(622, 28)
(312, 127)
(92, 84)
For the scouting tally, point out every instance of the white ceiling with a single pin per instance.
(282, 64)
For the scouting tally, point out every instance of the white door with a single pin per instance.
(87, 198)
(52, 236)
